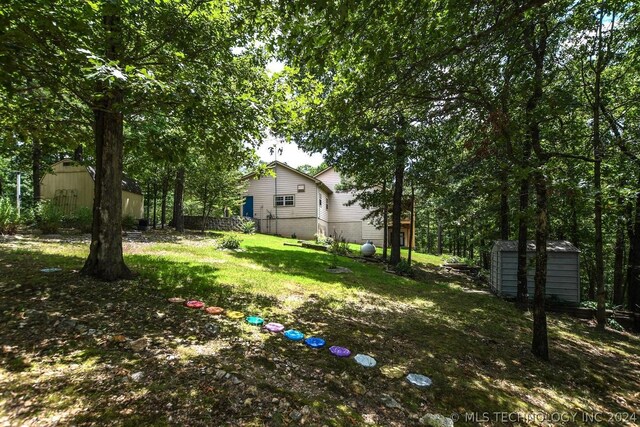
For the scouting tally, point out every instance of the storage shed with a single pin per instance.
(563, 269)
(71, 186)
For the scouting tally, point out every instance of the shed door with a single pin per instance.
(247, 207)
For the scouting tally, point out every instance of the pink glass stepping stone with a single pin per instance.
(194, 304)
(274, 327)
(340, 351)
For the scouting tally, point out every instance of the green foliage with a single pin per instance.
(9, 218)
(248, 226)
(48, 217)
(81, 219)
(129, 223)
(403, 268)
(613, 324)
(229, 241)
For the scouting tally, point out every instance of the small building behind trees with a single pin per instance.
(563, 269)
(70, 186)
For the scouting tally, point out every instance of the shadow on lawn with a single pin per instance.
(473, 346)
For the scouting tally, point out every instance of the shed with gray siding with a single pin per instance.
(563, 269)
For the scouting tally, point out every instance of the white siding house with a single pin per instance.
(294, 203)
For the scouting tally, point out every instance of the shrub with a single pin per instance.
(48, 217)
(248, 226)
(338, 246)
(229, 241)
(81, 219)
(403, 268)
(129, 223)
(9, 217)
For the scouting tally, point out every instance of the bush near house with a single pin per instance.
(48, 217)
(9, 217)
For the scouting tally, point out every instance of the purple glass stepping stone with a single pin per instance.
(340, 351)
(274, 327)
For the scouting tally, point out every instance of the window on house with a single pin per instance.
(300, 188)
(67, 163)
(327, 204)
(320, 199)
(287, 200)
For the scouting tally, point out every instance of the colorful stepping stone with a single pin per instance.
(314, 342)
(235, 314)
(274, 327)
(255, 320)
(51, 270)
(340, 351)
(419, 380)
(176, 300)
(364, 360)
(194, 304)
(214, 310)
(294, 335)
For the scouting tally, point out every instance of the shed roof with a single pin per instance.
(128, 184)
(552, 246)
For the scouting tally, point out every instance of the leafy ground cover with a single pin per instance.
(67, 354)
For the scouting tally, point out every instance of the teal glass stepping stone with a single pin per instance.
(294, 335)
(255, 320)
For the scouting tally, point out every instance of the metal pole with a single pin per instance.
(18, 192)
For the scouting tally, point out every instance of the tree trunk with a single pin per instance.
(429, 243)
(400, 159)
(105, 259)
(385, 223)
(178, 201)
(504, 208)
(413, 200)
(155, 199)
(148, 196)
(78, 155)
(163, 205)
(618, 265)
(36, 157)
(597, 174)
(633, 268)
(522, 296)
(439, 238)
(540, 346)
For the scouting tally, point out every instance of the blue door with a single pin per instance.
(247, 207)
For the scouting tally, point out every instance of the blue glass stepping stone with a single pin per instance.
(294, 335)
(314, 342)
(51, 270)
(255, 320)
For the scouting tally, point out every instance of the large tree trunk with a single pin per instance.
(618, 265)
(522, 296)
(36, 157)
(78, 155)
(400, 160)
(163, 206)
(385, 223)
(105, 259)
(440, 244)
(504, 207)
(539, 345)
(411, 219)
(155, 200)
(178, 199)
(597, 173)
(633, 268)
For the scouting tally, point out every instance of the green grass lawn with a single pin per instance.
(474, 346)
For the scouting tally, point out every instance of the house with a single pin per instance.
(71, 186)
(294, 203)
(563, 269)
